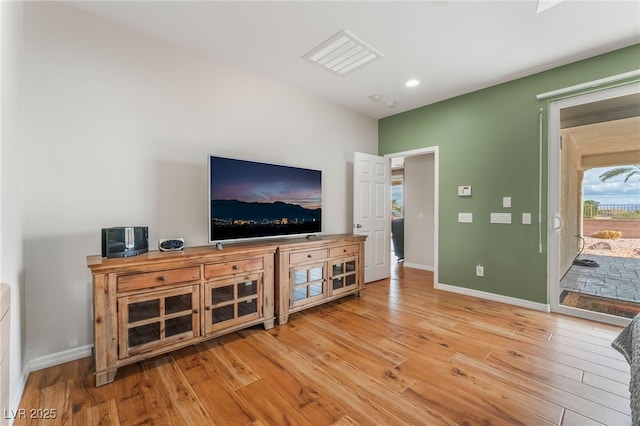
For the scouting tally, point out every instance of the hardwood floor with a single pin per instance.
(404, 354)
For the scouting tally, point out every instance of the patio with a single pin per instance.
(616, 278)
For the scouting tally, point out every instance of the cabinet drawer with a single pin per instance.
(157, 278)
(349, 250)
(214, 270)
(307, 256)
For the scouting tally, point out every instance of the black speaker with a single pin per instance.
(125, 241)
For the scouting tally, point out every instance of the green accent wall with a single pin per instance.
(489, 139)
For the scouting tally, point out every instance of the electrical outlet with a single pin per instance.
(479, 270)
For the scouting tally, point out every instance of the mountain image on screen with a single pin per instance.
(239, 219)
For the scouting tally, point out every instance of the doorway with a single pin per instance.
(585, 131)
(419, 208)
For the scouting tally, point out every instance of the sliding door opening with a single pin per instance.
(589, 136)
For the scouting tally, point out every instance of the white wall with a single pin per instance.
(11, 188)
(117, 128)
(418, 211)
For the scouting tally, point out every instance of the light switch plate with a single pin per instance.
(501, 218)
(506, 202)
(526, 218)
(465, 217)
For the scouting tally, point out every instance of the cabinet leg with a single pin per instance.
(282, 319)
(268, 324)
(105, 377)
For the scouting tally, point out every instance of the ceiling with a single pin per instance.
(603, 144)
(607, 110)
(452, 47)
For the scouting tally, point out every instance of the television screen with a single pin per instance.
(249, 199)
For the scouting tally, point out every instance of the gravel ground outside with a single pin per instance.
(623, 247)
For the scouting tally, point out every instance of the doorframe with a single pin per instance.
(436, 187)
(554, 203)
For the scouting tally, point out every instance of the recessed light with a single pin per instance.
(390, 104)
(375, 98)
(412, 83)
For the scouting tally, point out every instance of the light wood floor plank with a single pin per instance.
(607, 385)
(298, 391)
(103, 414)
(578, 388)
(270, 407)
(397, 409)
(574, 419)
(177, 399)
(529, 362)
(563, 398)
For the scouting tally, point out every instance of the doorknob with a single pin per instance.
(557, 222)
(357, 225)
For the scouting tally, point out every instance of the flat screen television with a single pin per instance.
(250, 200)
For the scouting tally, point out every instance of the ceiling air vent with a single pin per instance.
(342, 53)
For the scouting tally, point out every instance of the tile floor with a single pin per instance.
(616, 278)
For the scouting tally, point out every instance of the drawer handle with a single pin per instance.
(162, 278)
(196, 311)
(208, 308)
(309, 256)
(235, 267)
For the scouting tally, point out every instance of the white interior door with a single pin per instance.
(371, 211)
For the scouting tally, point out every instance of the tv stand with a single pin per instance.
(157, 302)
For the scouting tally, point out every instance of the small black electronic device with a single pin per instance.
(125, 241)
(171, 244)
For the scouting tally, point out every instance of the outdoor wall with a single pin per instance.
(489, 139)
(570, 204)
(630, 228)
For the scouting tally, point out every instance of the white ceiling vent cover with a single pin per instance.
(342, 53)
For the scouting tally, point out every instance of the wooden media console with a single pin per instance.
(157, 302)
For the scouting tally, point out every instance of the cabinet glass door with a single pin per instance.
(232, 301)
(307, 284)
(149, 320)
(343, 275)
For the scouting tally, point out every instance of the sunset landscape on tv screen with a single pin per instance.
(255, 200)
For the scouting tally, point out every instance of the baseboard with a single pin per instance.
(14, 404)
(545, 307)
(418, 266)
(58, 358)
